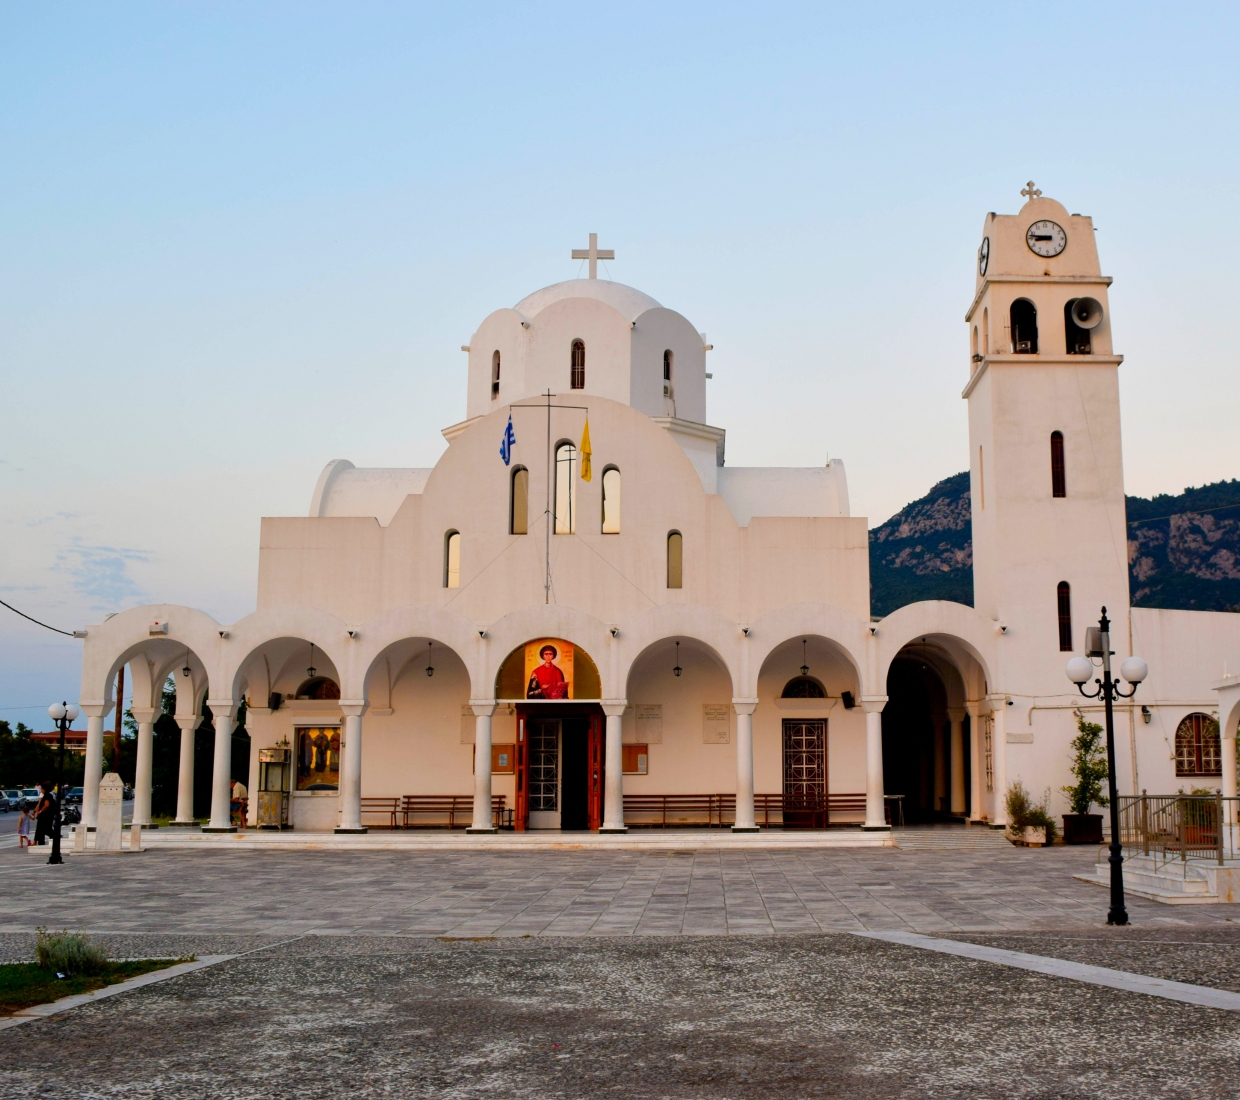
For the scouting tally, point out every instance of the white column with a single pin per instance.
(613, 772)
(185, 769)
(484, 822)
(940, 768)
(956, 714)
(745, 822)
(145, 717)
(351, 767)
(1227, 739)
(222, 712)
(977, 756)
(95, 714)
(875, 816)
(998, 742)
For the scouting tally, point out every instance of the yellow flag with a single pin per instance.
(587, 471)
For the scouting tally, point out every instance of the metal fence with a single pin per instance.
(1181, 827)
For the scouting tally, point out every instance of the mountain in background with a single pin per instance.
(1183, 551)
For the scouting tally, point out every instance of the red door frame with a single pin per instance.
(596, 759)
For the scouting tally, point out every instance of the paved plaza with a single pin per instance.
(695, 974)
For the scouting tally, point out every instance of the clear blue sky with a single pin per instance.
(239, 240)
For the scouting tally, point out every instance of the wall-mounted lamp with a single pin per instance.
(482, 633)
(352, 632)
(614, 631)
(677, 670)
(1146, 714)
(745, 629)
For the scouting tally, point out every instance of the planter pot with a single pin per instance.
(1082, 828)
(1031, 836)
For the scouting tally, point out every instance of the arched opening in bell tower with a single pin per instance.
(1024, 322)
(1077, 338)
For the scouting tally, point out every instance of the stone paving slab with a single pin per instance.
(570, 893)
(705, 1018)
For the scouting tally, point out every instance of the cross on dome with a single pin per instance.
(594, 254)
(1030, 191)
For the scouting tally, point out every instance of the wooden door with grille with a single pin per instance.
(805, 773)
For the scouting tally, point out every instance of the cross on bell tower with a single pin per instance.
(1030, 192)
(594, 254)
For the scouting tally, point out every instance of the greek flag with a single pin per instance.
(506, 445)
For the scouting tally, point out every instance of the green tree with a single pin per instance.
(1089, 765)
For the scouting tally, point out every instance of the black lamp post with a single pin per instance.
(63, 715)
(1134, 670)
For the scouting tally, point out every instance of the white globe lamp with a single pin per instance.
(1080, 669)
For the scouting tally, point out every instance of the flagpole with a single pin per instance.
(547, 523)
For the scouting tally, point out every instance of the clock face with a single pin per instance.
(1046, 238)
(983, 256)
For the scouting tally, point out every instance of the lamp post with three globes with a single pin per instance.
(1134, 670)
(64, 715)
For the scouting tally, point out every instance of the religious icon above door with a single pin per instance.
(549, 669)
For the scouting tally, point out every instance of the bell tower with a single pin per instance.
(1047, 478)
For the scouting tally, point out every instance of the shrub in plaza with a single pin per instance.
(1089, 766)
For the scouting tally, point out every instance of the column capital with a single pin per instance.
(188, 721)
(873, 704)
(95, 709)
(956, 714)
(144, 714)
(353, 708)
(744, 706)
(483, 708)
(614, 708)
(997, 700)
(223, 708)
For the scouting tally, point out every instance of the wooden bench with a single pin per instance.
(454, 811)
(386, 807)
(659, 811)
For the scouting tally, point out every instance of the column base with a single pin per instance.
(745, 829)
(342, 829)
(489, 830)
(144, 825)
(876, 828)
(220, 829)
(613, 829)
(183, 824)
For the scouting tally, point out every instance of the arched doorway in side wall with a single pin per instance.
(916, 742)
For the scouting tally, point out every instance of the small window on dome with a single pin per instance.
(495, 376)
(668, 360)
(804, 687)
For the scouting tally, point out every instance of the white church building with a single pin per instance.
(589, 620)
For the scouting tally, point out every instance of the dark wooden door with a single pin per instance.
(521, 813)
(805, 773)
(596, 778)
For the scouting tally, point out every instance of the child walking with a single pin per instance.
(24, 825)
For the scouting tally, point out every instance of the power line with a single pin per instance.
(1186, 512)
(66, 633)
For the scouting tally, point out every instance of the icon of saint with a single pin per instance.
(547, 681)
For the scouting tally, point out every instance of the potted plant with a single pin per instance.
(1030, 824)
(1089, 766)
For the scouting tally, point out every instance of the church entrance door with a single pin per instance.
(805, 773)
(559, 769)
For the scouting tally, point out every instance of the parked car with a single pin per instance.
(73, 796)
(14, 798)
(30, 797)
(4, 803)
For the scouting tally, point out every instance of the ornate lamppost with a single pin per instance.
(1134, 670)
(64, 715)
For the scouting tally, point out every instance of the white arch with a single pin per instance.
(451, 630)
(960, 630)
(247, 636)
(845, 632)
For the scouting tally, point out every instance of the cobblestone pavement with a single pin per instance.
(633, 1017)
(568, 893)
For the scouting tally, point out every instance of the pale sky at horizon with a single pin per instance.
(237, 241)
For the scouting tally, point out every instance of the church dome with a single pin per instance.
(626, 301)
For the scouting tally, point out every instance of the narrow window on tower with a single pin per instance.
(1059, 487)
(981, 482)
(675, 559)
(1024, 317)
(667, 374)
(1077, 338)
(577, 379)
(519, 504)
(565, 488)
(611, 501)
(985, 330)
(494, 376)
(977, 357)
(452, 560)
(1065, 617)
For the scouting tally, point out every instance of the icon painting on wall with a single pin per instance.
(318, 759)
(549, 669)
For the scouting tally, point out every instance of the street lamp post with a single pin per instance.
(64, 715)
(1134, 670)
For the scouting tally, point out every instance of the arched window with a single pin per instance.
(611, 501)
(319, 687)
(1197, 747)
(494, 376)
(667, 373)
(1059, 487)
(1077, 338)
(985, 330)
(1065, 617)
(577, 378)
(675, 559)
(804, 687)
(976, 354)
(565, 488)
(519, 502)
(1024, 317)
(452, 560)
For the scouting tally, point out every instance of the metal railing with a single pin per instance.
(1181, 827)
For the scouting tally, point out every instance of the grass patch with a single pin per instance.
(26, 984)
